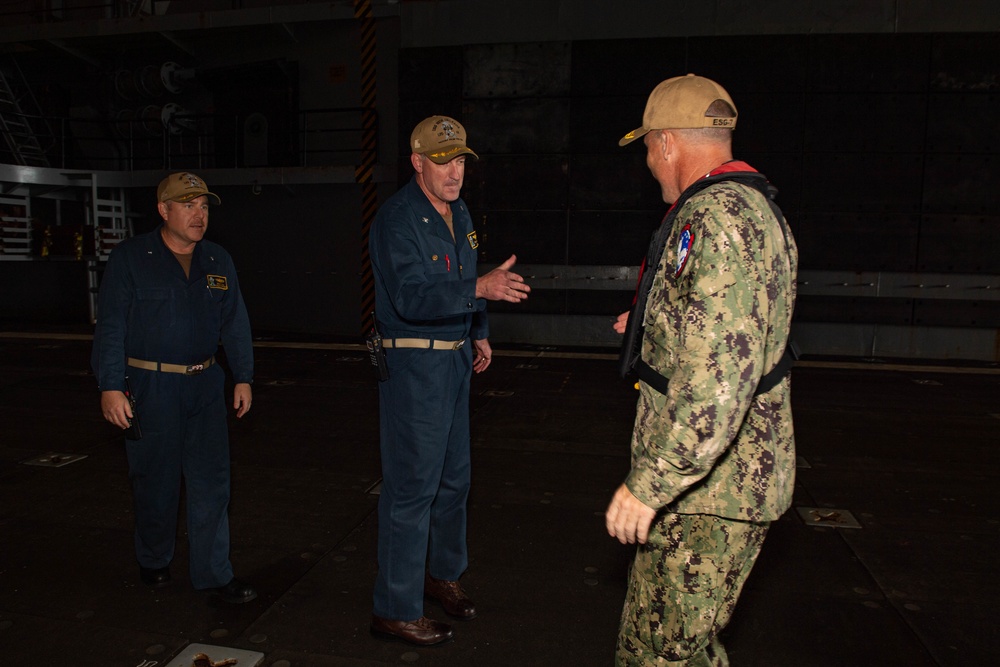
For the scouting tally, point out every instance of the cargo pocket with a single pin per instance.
(675, 606)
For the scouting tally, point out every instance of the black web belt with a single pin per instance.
(659, 382)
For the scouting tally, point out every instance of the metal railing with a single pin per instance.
(155, 137)
(42, 11)
(45, 11)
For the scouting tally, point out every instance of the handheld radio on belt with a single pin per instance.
(376, 351)
(133, 432)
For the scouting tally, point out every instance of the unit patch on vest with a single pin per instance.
(473, 241)
(683, 249)
(217, 282)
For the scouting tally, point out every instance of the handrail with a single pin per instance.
(158, 138)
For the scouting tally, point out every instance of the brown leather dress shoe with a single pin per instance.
(451, 596)
(422, 632)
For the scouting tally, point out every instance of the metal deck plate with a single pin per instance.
(54, 459)
(194, 655)
(829, 518)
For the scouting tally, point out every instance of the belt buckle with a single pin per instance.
(459, 344)
(194, 369)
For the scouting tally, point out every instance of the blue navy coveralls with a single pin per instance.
(425, 287)
(149, 310)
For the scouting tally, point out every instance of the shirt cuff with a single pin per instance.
(649, 488)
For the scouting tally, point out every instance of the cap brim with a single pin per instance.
(633, 135)
(212, 197)
(451, 154)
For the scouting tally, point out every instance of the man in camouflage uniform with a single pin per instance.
(713, 459)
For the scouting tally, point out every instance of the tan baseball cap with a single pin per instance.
(680, 103)
(184, 186)
(440, 138)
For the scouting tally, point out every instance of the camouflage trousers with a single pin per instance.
(682, 589)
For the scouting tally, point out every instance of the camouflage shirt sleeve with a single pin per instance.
(715, 323)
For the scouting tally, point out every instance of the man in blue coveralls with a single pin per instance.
(431, 311)
(166, 300)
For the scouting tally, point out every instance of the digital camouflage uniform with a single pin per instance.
(718, 462)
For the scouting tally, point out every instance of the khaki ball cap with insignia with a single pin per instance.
(184, 186)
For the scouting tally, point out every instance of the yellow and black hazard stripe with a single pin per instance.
(364, 173)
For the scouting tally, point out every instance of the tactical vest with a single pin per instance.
(630, 361)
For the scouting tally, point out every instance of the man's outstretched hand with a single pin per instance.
(620, 323)
(502, 284)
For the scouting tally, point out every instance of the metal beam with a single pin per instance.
(76, 53)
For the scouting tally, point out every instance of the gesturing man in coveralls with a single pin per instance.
(166, 299)
(713, 451)
(431, 311)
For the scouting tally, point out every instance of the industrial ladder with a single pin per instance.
(112, 225)
(20, 117)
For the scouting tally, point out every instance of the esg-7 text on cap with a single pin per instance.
(682, 103)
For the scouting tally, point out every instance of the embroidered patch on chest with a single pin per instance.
(683, 249)
(473, 240)
(217, 282)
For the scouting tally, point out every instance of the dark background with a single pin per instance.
(882, 143)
